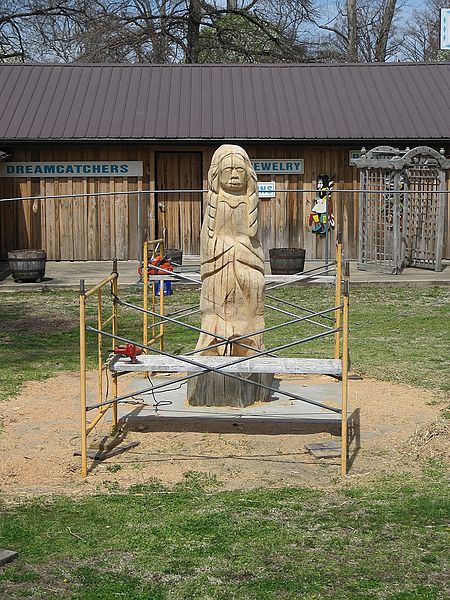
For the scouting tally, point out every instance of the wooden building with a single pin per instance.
(106, 152)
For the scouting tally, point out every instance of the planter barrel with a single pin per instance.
(287, 261)
(27, 265)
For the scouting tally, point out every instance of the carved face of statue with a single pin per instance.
(233, 173)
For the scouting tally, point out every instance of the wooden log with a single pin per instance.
(214, 389)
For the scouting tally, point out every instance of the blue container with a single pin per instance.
(167, 288)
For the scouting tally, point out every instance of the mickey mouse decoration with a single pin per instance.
(321, 217)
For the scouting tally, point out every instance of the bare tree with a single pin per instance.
(422, 34)
(385, 28)
(166, 31)
(17, 20)
(157, 31)
(352, 29)
(194, 20)
(363, 30)
(272, 31)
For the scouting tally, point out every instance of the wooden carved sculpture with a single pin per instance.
(232, 272)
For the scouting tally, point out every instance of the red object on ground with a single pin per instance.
(157, 261)
(129, 350)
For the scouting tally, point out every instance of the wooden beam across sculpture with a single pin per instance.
(233, 285)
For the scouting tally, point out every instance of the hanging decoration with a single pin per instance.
(321, 217)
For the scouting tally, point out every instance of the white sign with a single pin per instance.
(132, 168)
(266, 189)
(352, 154)
(445, 29)
(289, 166)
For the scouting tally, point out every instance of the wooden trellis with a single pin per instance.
(401, 208)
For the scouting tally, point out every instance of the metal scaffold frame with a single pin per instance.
(156, 358)
(111, 283)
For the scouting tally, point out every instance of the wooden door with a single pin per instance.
(179, 212)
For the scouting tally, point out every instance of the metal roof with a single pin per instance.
(287, 102)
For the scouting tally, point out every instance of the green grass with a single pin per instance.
(397, 333)
(389, 541)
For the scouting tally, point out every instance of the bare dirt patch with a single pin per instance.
(40, 432)
(19, 318)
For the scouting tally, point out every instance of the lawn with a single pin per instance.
(397, 334)
(386, 539)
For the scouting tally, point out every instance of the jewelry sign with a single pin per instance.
(269, 166)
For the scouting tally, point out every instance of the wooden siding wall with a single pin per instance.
(180, 213)
(284, 219)
(101, 227)
(95, 228)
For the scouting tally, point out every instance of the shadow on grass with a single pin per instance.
(149, 424)
(354, 436)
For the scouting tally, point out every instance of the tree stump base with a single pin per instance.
(214, 389)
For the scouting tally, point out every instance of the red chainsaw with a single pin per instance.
(157, 261)
(129, 350)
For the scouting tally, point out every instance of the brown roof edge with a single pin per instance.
(279, 103)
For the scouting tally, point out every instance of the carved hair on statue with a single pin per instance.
(213, 187)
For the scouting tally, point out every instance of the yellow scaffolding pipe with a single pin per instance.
(337, 325)
(145, 293)
(114, 331)
(154, 245)
(99, 345)
(83, 379)
(345, 366)
(98, 290)
(101, 284)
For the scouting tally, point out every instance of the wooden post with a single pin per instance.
(362, 207)
(442, 199)
(337, 314)
(114, 327)
(397, 254)
(83, 379)
(345, 314)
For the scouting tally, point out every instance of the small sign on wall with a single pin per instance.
(266, 189)
(445, 29)
(352, 154)
(132, 168)
(269, 166)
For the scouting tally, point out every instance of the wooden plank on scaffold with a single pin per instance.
(299, 366)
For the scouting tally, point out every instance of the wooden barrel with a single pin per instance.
(287, 261)
(27, 265)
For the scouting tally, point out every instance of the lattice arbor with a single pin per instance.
(401, 208)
